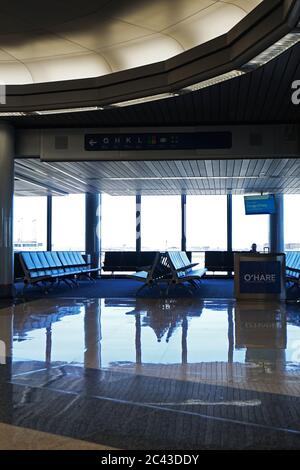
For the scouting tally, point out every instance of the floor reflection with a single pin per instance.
(73, 367)
(103, 333)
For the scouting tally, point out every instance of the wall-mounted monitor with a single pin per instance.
(260, 204)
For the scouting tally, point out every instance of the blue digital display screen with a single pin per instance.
(260, 204)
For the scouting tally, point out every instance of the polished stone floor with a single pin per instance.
(149, 374)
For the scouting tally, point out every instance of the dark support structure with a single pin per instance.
(229, 222)
(138, 223)
(93, 228)
(183, 222)
(49, 223)
(92, 337)
(184, 350)
(6, 212)
(138, 340)
(230, 335)
(276, 232)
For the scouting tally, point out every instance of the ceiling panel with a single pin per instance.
(262, 96)
(128, 33)
(158, 177)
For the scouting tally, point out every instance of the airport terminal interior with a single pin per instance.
(149, 225)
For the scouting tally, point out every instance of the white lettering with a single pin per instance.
(296, 93)
(106, 140)
(2, 93)
(111, 460)
(2, 352)
(260, 277)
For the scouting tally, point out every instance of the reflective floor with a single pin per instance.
(151, 373)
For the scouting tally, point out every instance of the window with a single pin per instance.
(248, 229)
(68, 222)
(206, 223)
(118, 223)
(291, 222)
(161, 223)
(30, 223)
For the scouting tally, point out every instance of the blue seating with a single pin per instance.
(148, 276)
(182, 269)
(44, 267)
(292, 262)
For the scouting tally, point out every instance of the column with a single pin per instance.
(92, 335)
(229, 222)
(48, 345)
(138, 339)
(230, 334)
(6, 210)
(49, 223)
(183, 222)
(138, 223)
(184, 351)
(93, 228)
(276, 234)
(6, 352)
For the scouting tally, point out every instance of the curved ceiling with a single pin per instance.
(55, 41)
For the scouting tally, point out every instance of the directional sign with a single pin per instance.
(158, 141)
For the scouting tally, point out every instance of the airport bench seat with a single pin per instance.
(292, 261)
(149, 276)
(182, 269)
(124, 261)
(52, 266)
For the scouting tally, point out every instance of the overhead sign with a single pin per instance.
(264, 204)
(158, 141)
(260, 277)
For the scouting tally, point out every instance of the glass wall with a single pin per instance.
(161, 223)
(68, 222)
(118, 223)
(30, 223)
(291, 222)
(248, 229)
(206, 223)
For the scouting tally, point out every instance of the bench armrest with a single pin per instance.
(192, 265)
(187, 266)
(296, 270)
(145, 268)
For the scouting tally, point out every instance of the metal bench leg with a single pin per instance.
(66, 282)
(141, 288)
(194, 284)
